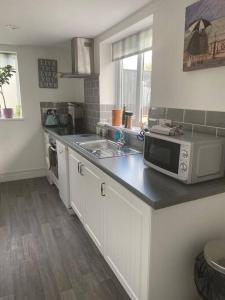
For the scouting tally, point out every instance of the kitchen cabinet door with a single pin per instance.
(77, 185)
(116, 220)
(63, 173)
(127, 239)
(94, 205)
(86, 196)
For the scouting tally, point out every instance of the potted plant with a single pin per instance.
(5, 74)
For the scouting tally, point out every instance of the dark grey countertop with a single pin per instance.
(154, 188)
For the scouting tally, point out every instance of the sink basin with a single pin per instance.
(107, 149)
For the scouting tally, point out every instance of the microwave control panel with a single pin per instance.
(185, 153)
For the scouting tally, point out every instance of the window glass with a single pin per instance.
(134, 85)
(129, 83)
(146, 86)
(12, 90)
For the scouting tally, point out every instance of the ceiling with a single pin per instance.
(47, 22)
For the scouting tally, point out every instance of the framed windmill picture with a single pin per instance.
(204, 42)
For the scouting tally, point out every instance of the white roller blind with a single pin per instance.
(134, 44)
(7, 59)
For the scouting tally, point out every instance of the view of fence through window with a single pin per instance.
(146, 86)
(129, 82)
(12, 90)
(135, 85)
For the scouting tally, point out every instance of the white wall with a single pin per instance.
(103, 53)
(21, 148)
(179, 234)
(107, 75)
(171, 87)
(128, 26)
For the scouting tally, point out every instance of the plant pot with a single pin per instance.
(8, 113)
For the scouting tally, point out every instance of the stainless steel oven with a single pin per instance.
(53, 160)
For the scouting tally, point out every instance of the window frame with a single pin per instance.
(18, 88)
(139, 90)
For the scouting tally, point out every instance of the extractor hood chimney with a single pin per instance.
(82, 50)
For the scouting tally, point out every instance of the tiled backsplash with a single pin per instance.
(95, 111)
(131, 139)
(106, 112)
(92, 102)
(60, 107)
(210, 122)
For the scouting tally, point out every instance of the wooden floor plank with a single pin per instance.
(68, 295)
(45, 253)
(10, 297)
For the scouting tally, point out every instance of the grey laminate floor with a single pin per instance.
(44, 252)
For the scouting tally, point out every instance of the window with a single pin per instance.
(133, 85)
(133, 60)
(12, 90)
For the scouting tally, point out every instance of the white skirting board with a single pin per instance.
(23, 174)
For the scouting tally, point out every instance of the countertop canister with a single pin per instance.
(117, 117)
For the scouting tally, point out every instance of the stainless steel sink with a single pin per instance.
(107, 149)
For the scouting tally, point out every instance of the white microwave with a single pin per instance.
(190, 158)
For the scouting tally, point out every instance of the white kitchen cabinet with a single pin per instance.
(63, 173)
(127, 239)
(77, 186)
(116, 220)
(86, 199)
(94, 206)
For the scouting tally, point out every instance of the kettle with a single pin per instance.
(51, 118)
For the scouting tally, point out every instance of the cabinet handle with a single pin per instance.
(81, 172)
(78, 167)
(103, 189)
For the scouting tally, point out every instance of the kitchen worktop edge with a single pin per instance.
(156, 189)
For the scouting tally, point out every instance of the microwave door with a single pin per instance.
(163, 154)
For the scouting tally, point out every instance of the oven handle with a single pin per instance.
(53, 149)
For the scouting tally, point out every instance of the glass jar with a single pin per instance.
(129, 120)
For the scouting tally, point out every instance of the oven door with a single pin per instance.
(162, 154)
(53, 160)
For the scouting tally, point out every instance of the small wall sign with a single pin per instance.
(47, 70)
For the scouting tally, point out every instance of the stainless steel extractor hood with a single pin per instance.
(82, 50)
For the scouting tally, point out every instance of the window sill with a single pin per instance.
(134, 130)
(12, 119)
